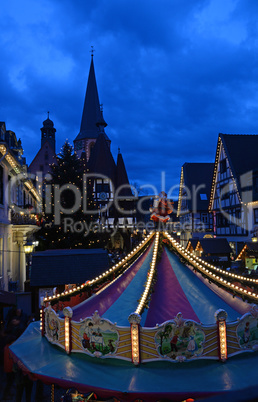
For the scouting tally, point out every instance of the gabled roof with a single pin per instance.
(101, 160)
(193, 176)
(91, 115)
(40, 155)
(192, 242)
(121, 177)
(215, 246)
(60, 267)
(249, 247)
(241, 151)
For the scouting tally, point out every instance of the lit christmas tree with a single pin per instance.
(67, 178)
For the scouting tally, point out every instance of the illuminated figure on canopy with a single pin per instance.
(163, 209)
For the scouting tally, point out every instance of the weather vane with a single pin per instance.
(92, 51)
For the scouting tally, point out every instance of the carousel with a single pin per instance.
(160, 324)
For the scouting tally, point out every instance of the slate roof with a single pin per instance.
(215, 246)
(101, 160)
(121, 177)
(91, 115)
(60, 267)
(241, 150)
(198, 174)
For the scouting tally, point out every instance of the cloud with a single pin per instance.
(171, 75)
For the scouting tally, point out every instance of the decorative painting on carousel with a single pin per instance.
(179, 339)
(247, 330)
(52, 325)
(98, 336)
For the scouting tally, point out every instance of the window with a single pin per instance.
(256, 215)
(223, 166)
(222, 221)
(1, 185)
(102, 188)
(204, 218)
(238, 213)
(46, 156)
(255, 184)
(203, 197)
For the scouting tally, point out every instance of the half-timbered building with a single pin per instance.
(194, 192)
(234, 194)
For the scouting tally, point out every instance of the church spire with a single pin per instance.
(92, 122)
(91, 114)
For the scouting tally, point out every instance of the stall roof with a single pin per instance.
(60, 267)
(215, 246)
(7, 298)
(192, 242)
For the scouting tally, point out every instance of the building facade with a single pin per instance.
(20, 204)
(234, 194)
(193, 201)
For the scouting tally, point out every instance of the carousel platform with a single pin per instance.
(116, 378)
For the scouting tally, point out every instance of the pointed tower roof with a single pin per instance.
(121, 176)
(101, 160)
(91, 115)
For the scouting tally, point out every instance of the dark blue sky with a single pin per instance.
(171, 75)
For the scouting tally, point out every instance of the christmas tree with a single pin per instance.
(68, 193)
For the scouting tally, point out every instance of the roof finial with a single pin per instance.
(92, 51)
(48, 115)
(119, 151)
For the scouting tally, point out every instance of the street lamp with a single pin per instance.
(28, 247)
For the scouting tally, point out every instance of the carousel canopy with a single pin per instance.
(177, 288)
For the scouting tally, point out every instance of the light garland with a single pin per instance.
(180, 192)
(222, 340)
(135, 343)
(203, 266)
(214, 175)
(150, 277)
(105, 274)
(68, 335)
(42, 318)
